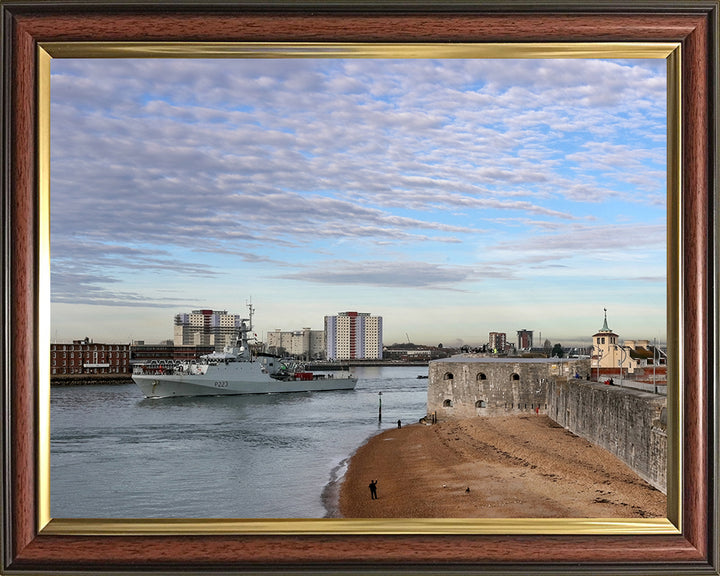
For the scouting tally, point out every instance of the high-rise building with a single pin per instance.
(525, 339)
(207, 328)
(353, 335)
(497, 342)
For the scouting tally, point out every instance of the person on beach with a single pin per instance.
(373, 489)
(399, 423)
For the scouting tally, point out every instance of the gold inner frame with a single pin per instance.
(586, 526)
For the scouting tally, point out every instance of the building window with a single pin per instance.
(515, 376)
(481, 376)
(480, 404)
(448, 376)
(447, 403)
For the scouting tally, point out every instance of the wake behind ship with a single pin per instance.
(235, 371)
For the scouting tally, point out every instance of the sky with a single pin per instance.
(452, 197)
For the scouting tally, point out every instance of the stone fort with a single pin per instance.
(629, 423)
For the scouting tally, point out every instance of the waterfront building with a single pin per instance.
(87, 357)
(353, 336)
(214, 328)
(306, 344)
(610, 357)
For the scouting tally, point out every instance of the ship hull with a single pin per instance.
(233, 379)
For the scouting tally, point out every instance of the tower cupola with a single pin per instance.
(604, 337)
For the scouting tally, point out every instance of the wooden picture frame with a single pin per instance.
(30, 545)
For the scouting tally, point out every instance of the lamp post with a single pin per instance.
(379, 407)
(654, 364)
(623, 355)
(599, 358)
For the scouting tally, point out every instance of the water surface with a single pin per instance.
(115, 454)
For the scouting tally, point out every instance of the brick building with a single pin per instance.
(88, 357)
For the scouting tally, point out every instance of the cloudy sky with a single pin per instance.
(451, 197)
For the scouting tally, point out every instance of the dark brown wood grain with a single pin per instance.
(696, 222)
(689, 22)
(22, 286)
(321, 27)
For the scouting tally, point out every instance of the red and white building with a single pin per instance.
(353, 336)
(497, 342)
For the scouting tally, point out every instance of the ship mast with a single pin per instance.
(251, 311)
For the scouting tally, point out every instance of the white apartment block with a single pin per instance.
(306, 343)
(206, 328)
(353, 335)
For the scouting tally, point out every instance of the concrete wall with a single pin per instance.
(630, 424)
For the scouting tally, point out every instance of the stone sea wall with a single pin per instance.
(466, 387)
(631, 424)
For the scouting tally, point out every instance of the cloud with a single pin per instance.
(346, 172)
(396, 274)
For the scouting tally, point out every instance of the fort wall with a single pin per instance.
(631, 424)
(463, 387)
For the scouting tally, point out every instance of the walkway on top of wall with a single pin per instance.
(505, 360)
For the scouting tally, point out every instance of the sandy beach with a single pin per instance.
(500, 467)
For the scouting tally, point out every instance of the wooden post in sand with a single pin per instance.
(379, 407)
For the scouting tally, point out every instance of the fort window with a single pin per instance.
(515, 376)
(447, 403)
(480, 404)
(448, 376)
(481, 376)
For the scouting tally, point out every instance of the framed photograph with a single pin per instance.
(683, 33)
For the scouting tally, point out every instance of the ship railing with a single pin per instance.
(154, 368)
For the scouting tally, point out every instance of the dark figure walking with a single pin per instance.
(373, 489)
(399, 423)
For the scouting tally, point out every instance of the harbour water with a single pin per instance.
(115, 454)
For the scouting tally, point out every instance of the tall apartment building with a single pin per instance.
(87, 357)
(353, 335)
(497, 342)
(206, 328)
(525, 339)
(306, 344)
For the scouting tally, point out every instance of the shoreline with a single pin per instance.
(330, 495)
(495, 467)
